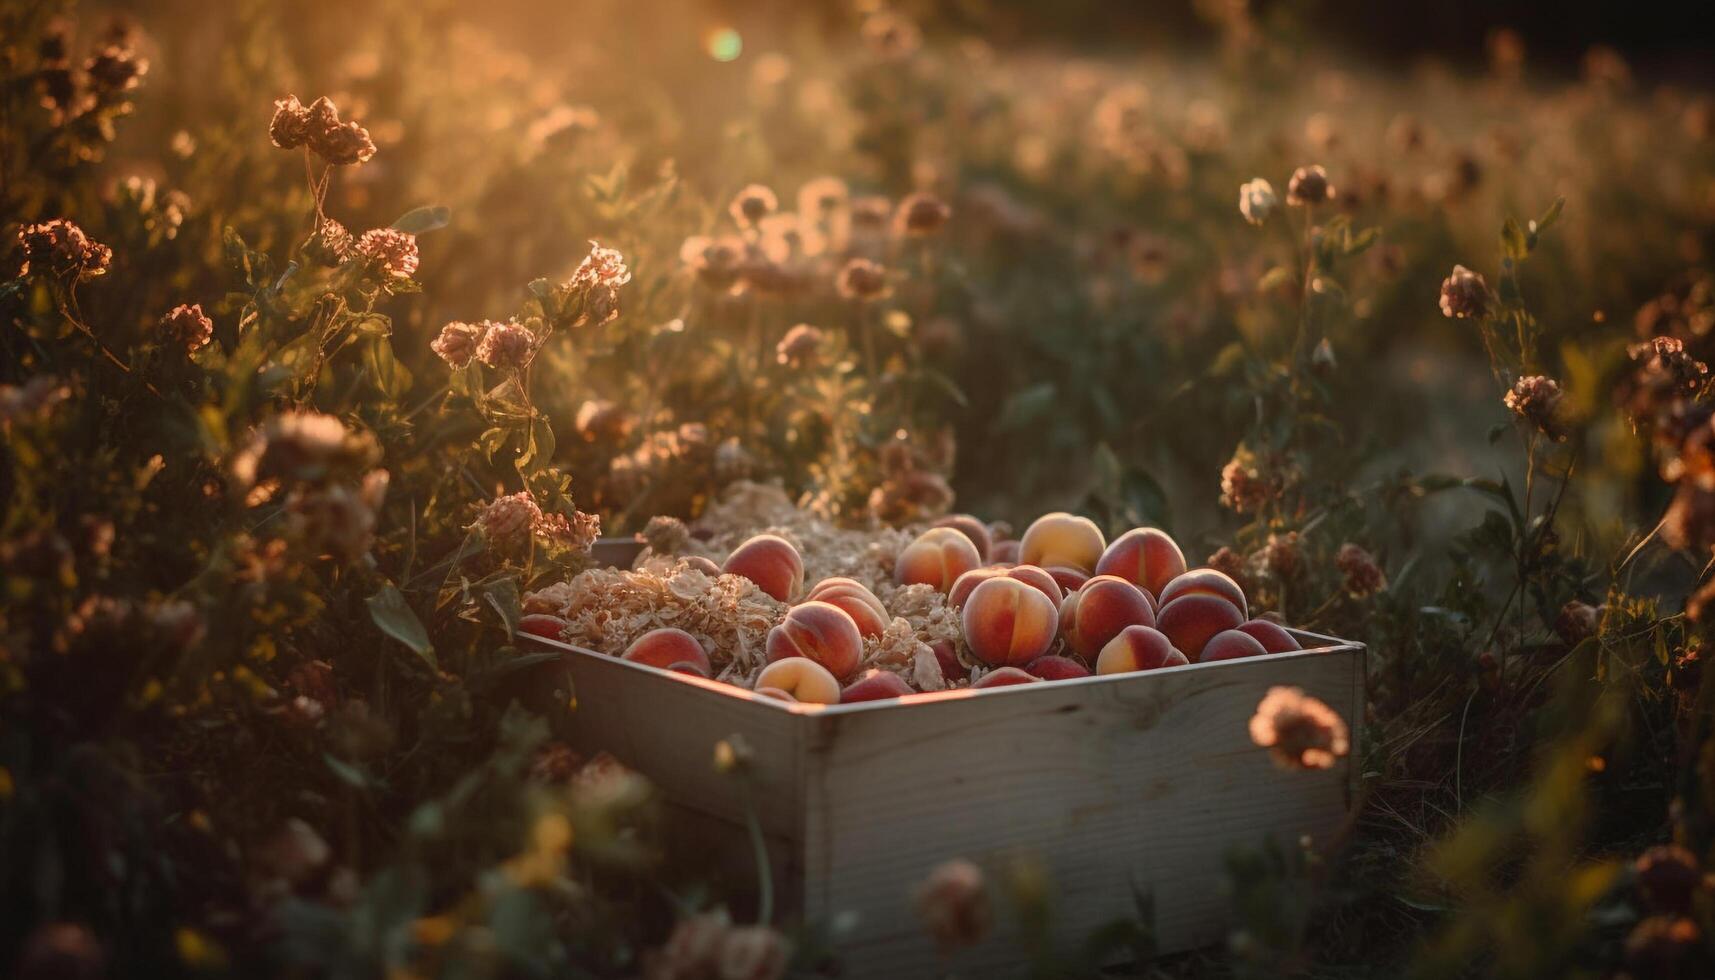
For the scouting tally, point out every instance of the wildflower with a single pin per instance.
(1300, 731)
(1536, 399)
(330, 244)
(60, 248)
(920, 215)
(751, 205)
(600, 420)
(576, 533)
(505, 346)
(1257, 200)
(1464, 294)
(911, 495)
(596, 283)
(953, 905)
(871, 213)
(458, 343)
(508, 522)
(1363, 577)
(339, 519)
(304, 447)
(1233, 565)
(1309, 185)
(1282, 556)
(344, 145)
(1577, 622)
(290, 127)
(1667, 877)
(1666, 358)
(821, 197)
(1245, 488)
(186, 326)
(801, 347)
(715, 261)
(753, 953)
(864, 281)
(115, 69)
(389, 250)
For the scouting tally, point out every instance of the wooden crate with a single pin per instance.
(1115, 786)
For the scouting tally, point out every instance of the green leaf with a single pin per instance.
(391, 378)
(1361, 242)
(347, 772)
(394, 616)
(502, 595)
(1550, 216)
(1273, 279)
(491, 441)
(1026, 406)
(1513, 241)
(425, 219)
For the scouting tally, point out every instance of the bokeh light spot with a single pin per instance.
(723, 44)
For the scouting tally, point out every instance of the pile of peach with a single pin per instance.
(1061, 602)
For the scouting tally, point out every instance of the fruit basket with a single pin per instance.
(1117, 787)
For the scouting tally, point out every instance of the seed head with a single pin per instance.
(864, 281)
(1309, 185)
(505, 346)
(1464, 294)
(186, 326)
(457, 345)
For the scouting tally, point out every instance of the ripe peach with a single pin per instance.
(777, 694)
(701, 564)
(542, 624)
(687, 667)
(971, 528)
(1004, 551)
(1096, 613)
(967, 583)
(875, 685)
(1206, 581)
(1007, 623)
(1005, 677)
(951, 667)
(1052, 668)
(1191, 620)
(1040, 579)
(820, 631)
(771, 562)
(938, 557)
(1138, 648)
(666, 647)
(1145, 557)
(1231, 645)
(1273, 636)
(801, 677)
(856, 599)
(1062, 539)
(1068, 578)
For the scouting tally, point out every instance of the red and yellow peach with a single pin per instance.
(1062, 539)
(875, 685)
(1273, 636)
(771, 562)
(821, 632)
(1005, 552)
(1191, 620)
(1206, 581)
(1231, 645)
(1055, 668)
(971, 528)
(1098, 611)
(937, 558)
(1028, 574)
(1004, 677)
(856, 599)
(667, 648)
(1138, 648)
(1008, 623)
(1145, 557)
(542, 624)
(1068, 578)
(802, 678)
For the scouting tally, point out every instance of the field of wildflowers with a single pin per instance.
(331, 340)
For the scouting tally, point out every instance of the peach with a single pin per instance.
(1138, 648)
(1098, 611)
(1004, 551)
(967, 583)
(1231, 645)
(1028, 574)
(856, 599)
(688, 667)
(1007, 623)
(771, 562)
(971, 528)
(1068, 578)
(777, 694)
(701, 564)
(1206, 581)
(821, 632)
(1004, 677)
(666, 647)
(875, 685)
(804, 679)
(1062, 539)
(1053, 668)
(1145, 557)
(1191, 620)
(1273, 636)
(542, 624)
(1039, 579)
(952, 668)
(938, 557)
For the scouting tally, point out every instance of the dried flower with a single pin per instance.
(864, 281)
(505, 346)
(821, 197)
(953, 904)
(1300, 731)
(344, 145)
(303, 447)
(115, 69)
(801, 347)
(339, 519)
(389, 250)
(61, 249)
(1667, 877)
(186, 326)
(1257, 200)
(1281, 556)
(507, 522)
(1464, 294)
(1233, 565)
(751, 205)
(595, 284)
(1363, 576)
(330, 244)
(1536, 399)
(458, 343)
(1309, 185)
(290, 127)
(601, 420)
(577, 533)
(715, 261)
(666, 535)
(920, 215)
